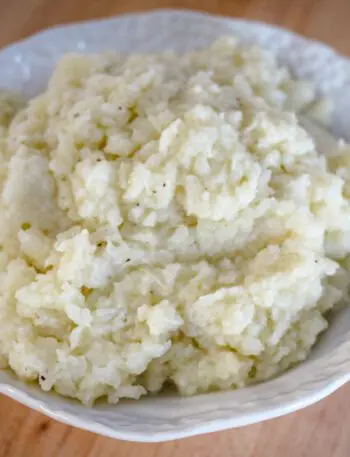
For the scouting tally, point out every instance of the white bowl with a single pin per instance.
(27, 66)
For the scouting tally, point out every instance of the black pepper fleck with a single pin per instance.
(42, 378)
(127, 260)
(26, 226)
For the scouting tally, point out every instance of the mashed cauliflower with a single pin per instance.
(166, 219)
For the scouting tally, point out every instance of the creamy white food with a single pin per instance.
(166, 219)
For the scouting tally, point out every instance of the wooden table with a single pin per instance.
(322, 430)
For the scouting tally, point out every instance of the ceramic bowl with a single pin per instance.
(27, 65)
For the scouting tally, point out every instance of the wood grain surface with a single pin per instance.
(322, 430)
